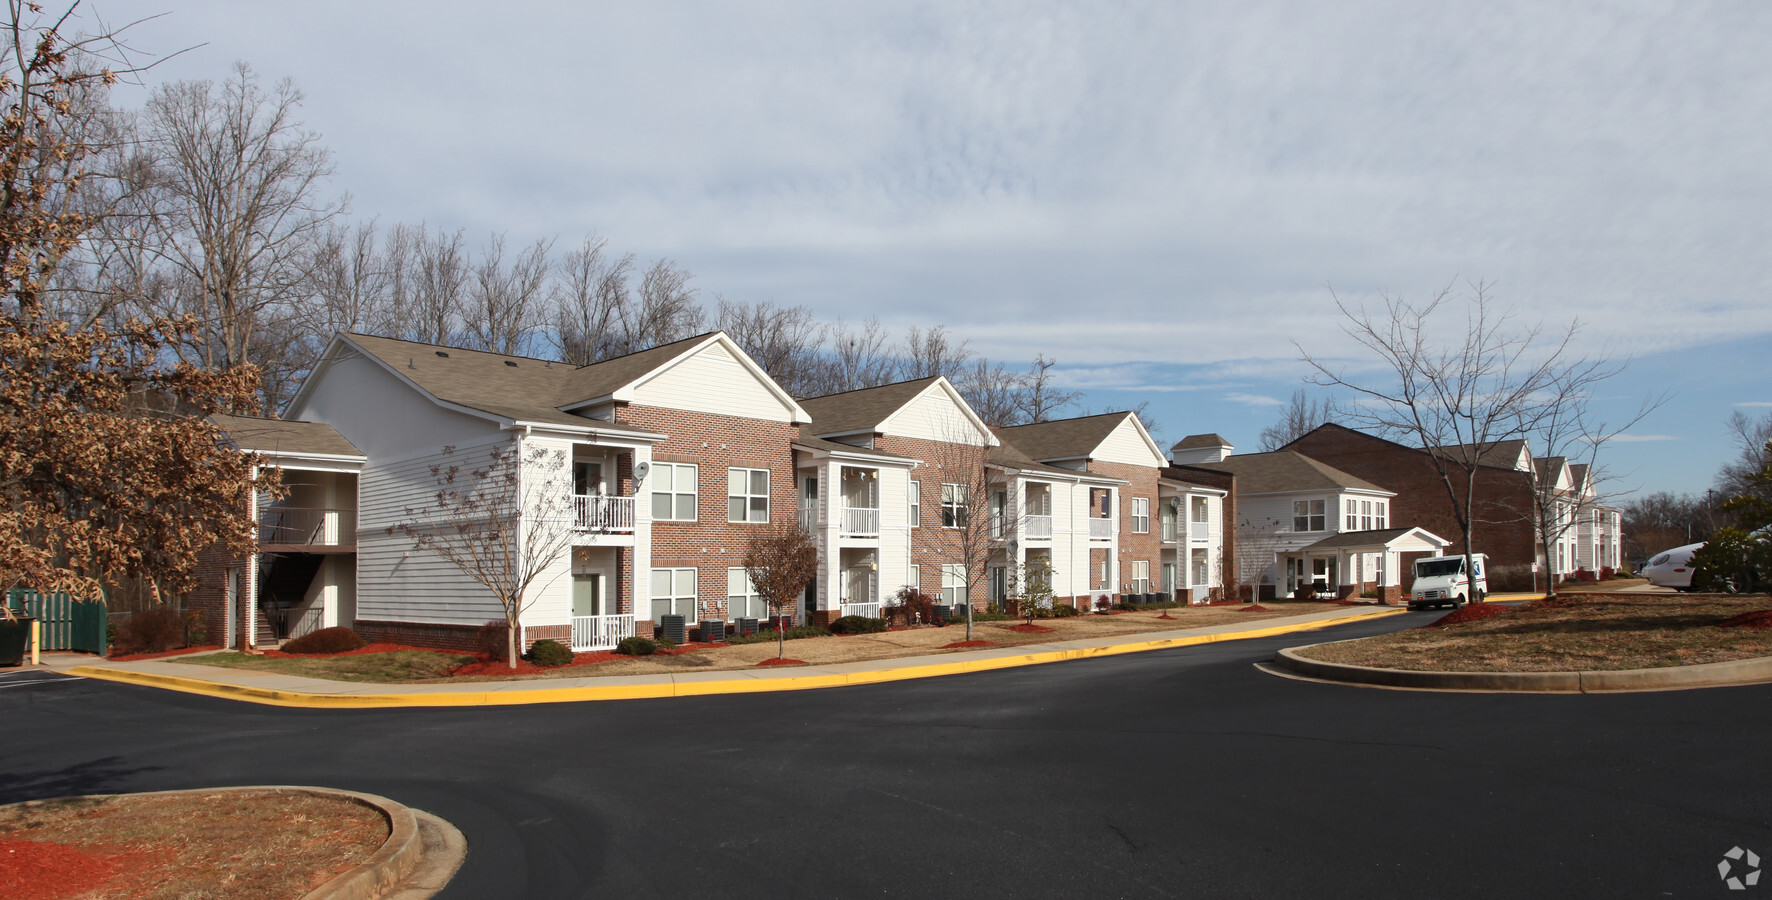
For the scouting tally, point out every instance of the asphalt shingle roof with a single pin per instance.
(1282, 471)
(1064, 438)
(279, 436)
(1349, 539)
(863, 409)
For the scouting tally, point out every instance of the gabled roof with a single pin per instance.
(1077, 438)
(1499, 454)
(282, 436)
(1205, 441)
(1379, 537)
(1578, 473)
(811, 441)
(1287, 471)
(534, 391)
(1007, 456)
(864, 409)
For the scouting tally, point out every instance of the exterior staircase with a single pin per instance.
(283, 582)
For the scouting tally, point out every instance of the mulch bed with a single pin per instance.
(360, 651)
(1469, 613)
(1253, 607)
(962, 644)
(772, 661)
(40, 870)
(1760, 618)
(132, 657)
(1025, 628)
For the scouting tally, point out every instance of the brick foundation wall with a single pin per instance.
(1503, 514)
(464, 638)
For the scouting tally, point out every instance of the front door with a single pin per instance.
(587, 595)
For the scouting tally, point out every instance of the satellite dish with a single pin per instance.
(1175, 503)
(641, 470)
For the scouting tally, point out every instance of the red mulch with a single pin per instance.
(958, 644)
(131, 657)
(1469, 613)
(782, 662)
(1165, 616)
(40, 870)
(1030, 629)
(1759, 618)
(1253, 607)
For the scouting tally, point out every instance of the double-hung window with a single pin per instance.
(1378, 517)
(916, 503)
(953, 584)
(673, 492)
(1353, 516)
(742, 599)
(1309, 515)
(747, 495)
(673, 593)
(1366, 515)
(1141, 576)
(915, 581)
(1141, 515)
(953, 506)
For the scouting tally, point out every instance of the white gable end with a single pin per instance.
(1127, 444)
(712, 380)
(935, 416)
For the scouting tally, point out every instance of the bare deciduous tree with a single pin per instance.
(504, 301)
(858, 358)
(665, 309)
(780, 559)
(994, 392)
(439, 287)
(504, 524)
(1300, 417)
(1457, 399)
(784, 340)
(590, 297)
(932, 352)
(1041, 398)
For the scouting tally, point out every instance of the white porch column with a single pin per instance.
(830, 564)
(640, 579)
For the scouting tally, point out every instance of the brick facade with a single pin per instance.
(711, 544)
(1146, 546)
(1226, 482)
(932, 545)
(1502, 528)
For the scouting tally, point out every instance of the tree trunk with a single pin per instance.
(511, 640)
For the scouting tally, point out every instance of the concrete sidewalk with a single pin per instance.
(291, 690)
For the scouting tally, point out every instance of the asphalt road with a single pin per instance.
(1173, 773)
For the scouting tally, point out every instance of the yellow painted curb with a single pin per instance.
(306, 700)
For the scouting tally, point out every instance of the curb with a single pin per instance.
(742, 685)
(1671, 678)
(383, 871)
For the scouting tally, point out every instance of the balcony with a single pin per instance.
(809, 521)
(602, 514)
(861, 521)
(1101, 529)
(1199, 532)
(1038, 528)
(1169, 531)
(292, 526)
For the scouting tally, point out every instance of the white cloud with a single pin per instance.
(1253, 400)
(1755, 403)
(1641, 438)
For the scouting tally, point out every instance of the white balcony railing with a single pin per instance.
(861, 520)
(809, 521)
(600, 513)
(1101, 529)
(1169, 531)
(870, 610)
(1199, 531)
(307, 526)
(1039, 528)
(600, 632)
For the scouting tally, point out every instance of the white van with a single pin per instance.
(1441, 581)
(1672, 568)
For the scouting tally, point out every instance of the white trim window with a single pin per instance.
(747, 495)
(742, 599)
(673, 492)
(1141, 576)
(673, 593)
(1141, 516)
(953, 506)
(916, 503)
(1378, 515)
(1353, 515)
(953, 583)
(916, 578)
(1309, 515)
(1365, 515)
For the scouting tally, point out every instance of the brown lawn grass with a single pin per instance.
(1593, 632)
(814, 651)
(245, 844)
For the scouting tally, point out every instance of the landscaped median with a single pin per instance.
(1577, 643)
(1128, 633)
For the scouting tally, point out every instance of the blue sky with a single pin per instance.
(1159, 195)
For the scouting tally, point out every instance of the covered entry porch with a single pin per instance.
(1359, 563)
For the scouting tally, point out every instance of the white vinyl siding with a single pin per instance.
(747, 495)
(934, 416)
(713, 381)
(1309, 515)
(673, 492)
(673, 593)
(1125, 445)
(915, 579)
(742, 599)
